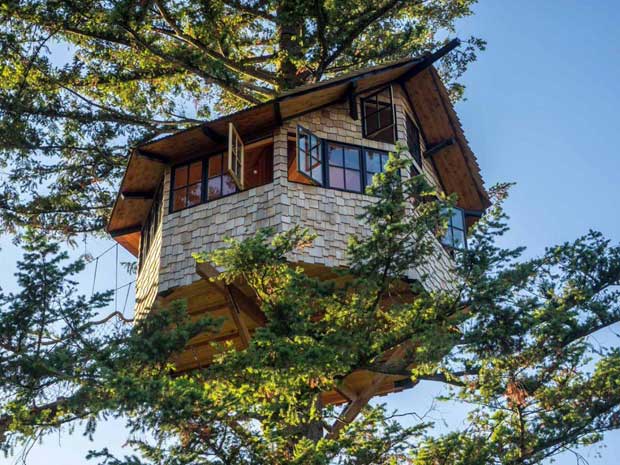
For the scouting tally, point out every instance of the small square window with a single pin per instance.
(344, 167)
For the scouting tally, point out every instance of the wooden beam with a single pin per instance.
(152, 156)
(429, 59)
(435, 149)
(213, 135)
(352, 100)
(137, 195)
(246, 305)
(277, 112)
(355, 407)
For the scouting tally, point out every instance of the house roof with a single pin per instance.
(456, 165)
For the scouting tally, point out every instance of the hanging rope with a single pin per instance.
(116, 277)
(92, 292)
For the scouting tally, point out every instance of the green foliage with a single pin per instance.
(509, 337)
(82, 80)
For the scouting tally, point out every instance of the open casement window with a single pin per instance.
(236, 151)
(309, 159)
(378, 121)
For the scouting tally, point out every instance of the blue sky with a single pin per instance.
(541, 110)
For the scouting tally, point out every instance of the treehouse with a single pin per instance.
(302, 158)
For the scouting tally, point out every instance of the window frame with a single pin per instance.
(362, 165)
(309, 134)
(204, 181)
(365, 179)
(173, 172)
(393, 124)
(235, 159)
(151, 225)
(450, 228)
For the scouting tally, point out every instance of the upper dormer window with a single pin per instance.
(378, 120)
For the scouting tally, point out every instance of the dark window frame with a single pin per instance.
(173, 173)
(151, 225)
(326, 164)
(365, 179)
(451, 228)
(377, 102)
(204, 180)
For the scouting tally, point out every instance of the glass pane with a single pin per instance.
(178, 199)
(373, 161)
(228, 185)
(336, 177)
(215, 166)
(180, 176)
(317, 172)
(194, 196)
(458, 239)
(353, 180)
(335, 155)
(385, 116)
(457, 219)
(214, 188)
(195, 172)
(352, 158)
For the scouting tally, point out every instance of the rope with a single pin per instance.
(92, 292)
(101, 254)
(126, 298)
(116, 277)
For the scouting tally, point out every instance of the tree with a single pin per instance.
(509, 336)
(83, 79)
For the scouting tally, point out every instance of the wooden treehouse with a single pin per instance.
(302, 158)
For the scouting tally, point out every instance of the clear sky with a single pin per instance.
(541, 110)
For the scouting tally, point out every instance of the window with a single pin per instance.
(151, 225)
(219, 182)
(210, 177)
(309, 159)
(413, 141)
(345, 167)
(236, 151)
(378, 116)
(375, 163)
(186, 185)
(455, 234)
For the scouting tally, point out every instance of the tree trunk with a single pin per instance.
(290, 32)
